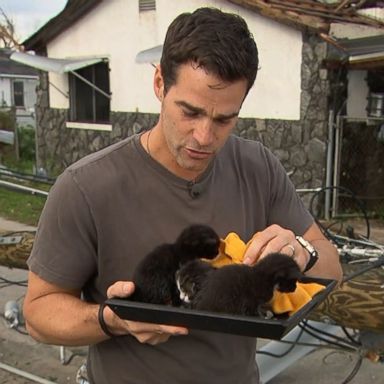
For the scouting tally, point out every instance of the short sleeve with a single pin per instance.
(65, 247)
(286, 207)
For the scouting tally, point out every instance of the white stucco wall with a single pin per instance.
(5, 91)
(116, 30)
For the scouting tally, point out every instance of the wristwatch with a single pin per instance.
(313, 254)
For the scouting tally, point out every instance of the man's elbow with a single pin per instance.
(33, 323)
(35, 334)
(337, 269)
(334, 269)
(339, 273)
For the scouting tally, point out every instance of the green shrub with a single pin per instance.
(7, 120)
(22, 157)
(27, 146)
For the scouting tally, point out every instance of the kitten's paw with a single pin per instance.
(265, 312)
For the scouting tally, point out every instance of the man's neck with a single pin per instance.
(154, 144)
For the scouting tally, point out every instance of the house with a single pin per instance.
(95, 90)
(18, 89)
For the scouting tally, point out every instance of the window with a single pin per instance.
(87, 103)
(147, 5)
(18, 94)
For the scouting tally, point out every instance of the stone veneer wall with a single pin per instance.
(58, 146)
(300, 145)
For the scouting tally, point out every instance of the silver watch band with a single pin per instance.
(313, 254)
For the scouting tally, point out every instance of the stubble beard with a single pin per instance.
(183, 161)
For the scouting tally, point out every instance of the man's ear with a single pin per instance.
(158, 83)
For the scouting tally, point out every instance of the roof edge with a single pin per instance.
(73, 11)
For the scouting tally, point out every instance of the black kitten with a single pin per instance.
(154, 277)
(190, 279)
(237, 288)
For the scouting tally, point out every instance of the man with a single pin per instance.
(111, 208)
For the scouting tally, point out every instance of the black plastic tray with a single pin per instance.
(274, 328)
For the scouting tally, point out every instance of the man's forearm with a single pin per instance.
(328, 265)
(63, 319)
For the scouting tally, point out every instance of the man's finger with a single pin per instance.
(277, 244)
(271, 239)
(120, 289)
(256, 247)
(172, 330)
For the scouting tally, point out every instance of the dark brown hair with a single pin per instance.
(217, 41)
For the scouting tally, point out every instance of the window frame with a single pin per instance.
(91, 84)
(18, 93)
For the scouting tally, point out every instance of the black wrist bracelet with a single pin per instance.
(102, 323)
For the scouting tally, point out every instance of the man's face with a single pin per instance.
(197, 115)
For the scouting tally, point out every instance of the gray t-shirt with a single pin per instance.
(109, 209)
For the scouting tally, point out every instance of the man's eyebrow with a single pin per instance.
(192, 108)
(203, 112)
(225, 117)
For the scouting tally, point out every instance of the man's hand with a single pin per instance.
(275, 239)
(144, 332)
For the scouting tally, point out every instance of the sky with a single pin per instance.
(29, 15)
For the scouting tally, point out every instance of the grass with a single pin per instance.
(9, 160)
(20, 207)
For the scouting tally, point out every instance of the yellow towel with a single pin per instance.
(232, 250)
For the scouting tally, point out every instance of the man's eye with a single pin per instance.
(223, 121)
(190, 113)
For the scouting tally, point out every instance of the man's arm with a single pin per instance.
(278, 239)
(58, 316)
(55, 315)
(328, 265)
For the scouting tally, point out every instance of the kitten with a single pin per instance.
(174, 274)
(154, 276)
(190, 278)
(237, 288)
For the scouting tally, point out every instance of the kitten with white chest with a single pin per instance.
(154, 277)
(237, 288)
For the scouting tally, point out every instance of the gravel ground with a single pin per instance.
(20, 351)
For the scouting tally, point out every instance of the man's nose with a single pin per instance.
(204, 133)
